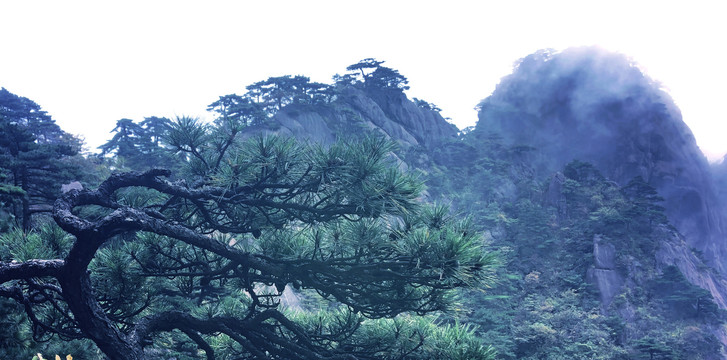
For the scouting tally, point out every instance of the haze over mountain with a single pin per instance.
(595, 106)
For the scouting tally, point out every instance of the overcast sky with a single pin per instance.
(91, 63)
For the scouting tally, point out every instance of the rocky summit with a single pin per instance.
(595, 106)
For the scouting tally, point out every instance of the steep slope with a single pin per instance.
(595, 106)
(719, 172)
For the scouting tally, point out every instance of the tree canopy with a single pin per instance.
(372, 75)
(34, 157)
(207, 260)
(138, 146)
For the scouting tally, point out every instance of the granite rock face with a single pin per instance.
(603, 274)
(673, 250)
(594, 106)
(719, 172)
(356, 112)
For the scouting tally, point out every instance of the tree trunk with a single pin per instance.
(92, 320)
(25, 200)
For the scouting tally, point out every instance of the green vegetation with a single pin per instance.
(268, 248)
(35, 156)
(248, 246)
(544, 305)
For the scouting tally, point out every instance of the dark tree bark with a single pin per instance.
(90, 236)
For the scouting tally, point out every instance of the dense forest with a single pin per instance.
(347, 221)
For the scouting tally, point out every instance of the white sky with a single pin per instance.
(91, 63)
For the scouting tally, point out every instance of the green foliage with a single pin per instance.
(342, 224)
(651, 348)
(403, 337)
(527, 291)
(139, 146)
(369, 74)
(543, 306)
(423, 242)
(682, 299)
(35, 158)
(426, 105)
(237, 112)
(17, 342)
(272, 94)
(47, 242)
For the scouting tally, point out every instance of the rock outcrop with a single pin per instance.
(673, 250)
(356, 111)
(603, 273)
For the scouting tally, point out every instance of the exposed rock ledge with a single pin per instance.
(603, 274)
(674, 251)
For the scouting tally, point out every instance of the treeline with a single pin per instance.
(148, 142)
(36, 154)
(264, 98)
(35, 157)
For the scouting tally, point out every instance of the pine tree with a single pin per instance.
(205, 261)
(34, 157)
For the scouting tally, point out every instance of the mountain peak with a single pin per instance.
(592, 105)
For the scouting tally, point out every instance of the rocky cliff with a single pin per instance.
(595, 106)
(356, 112)
(603, 273)
(719, 173)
